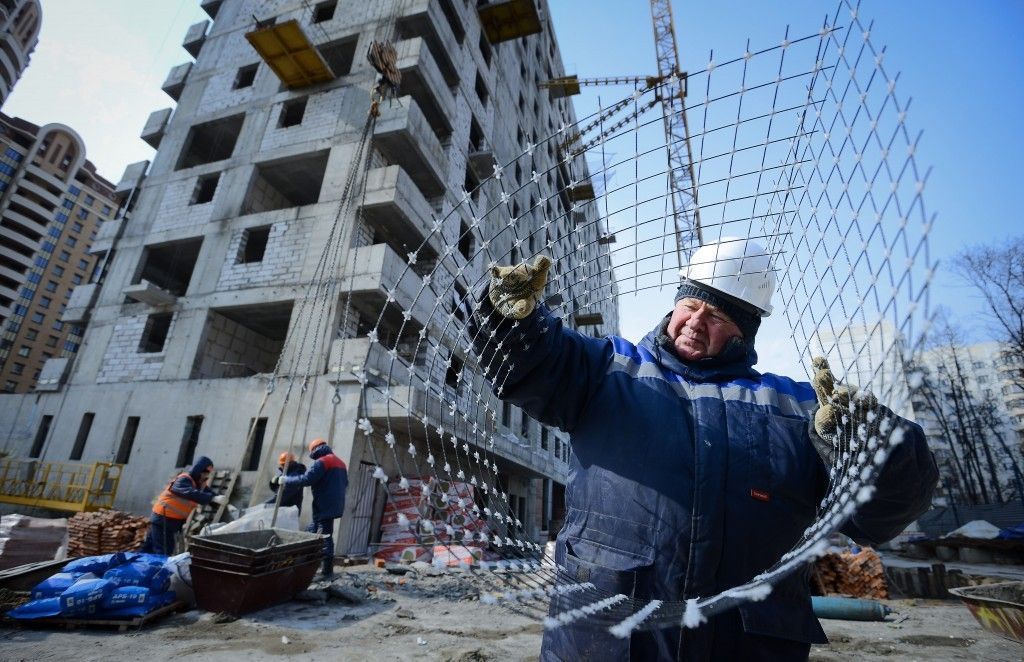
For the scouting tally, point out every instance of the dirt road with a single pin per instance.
(441, 618)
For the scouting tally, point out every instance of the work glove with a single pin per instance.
(277, 480)
(845, 419)
(516, 291)
(220, 500)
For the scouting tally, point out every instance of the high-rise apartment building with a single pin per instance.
(206, 275)
(52, 202)
(19, 32)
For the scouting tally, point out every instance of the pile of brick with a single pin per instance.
(858, 575)
(428, 520)
(104, 532)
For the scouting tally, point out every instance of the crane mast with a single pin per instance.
(681, 180)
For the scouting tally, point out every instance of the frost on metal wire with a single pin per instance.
(802, 144)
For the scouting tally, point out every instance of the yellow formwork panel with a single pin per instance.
(509, 20)
(287, 51)
(59, 485)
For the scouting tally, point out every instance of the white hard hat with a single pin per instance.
(735, 266)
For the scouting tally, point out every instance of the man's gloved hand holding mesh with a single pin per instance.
(845, 419)
(515, 291)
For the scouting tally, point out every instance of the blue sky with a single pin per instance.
(99, 66)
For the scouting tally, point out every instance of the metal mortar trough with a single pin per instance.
(238, 573)
(999, 608)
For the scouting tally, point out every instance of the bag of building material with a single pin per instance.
(54, 585)
(139, 604)
(43, 608)
(181, 577)
(84, 597)
(149, 559)
(97, 565)
(139, 574)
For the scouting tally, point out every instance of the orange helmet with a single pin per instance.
(316, 443)
(285, 458)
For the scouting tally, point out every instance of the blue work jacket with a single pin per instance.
(685, 479)
(327, 478)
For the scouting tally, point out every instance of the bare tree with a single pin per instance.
(969, 422)
(997, 272)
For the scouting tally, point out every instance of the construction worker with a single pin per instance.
(288, 465)
(182, 495)
(328, 480)
(691, 472)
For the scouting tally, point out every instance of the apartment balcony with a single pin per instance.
(16, 257)
(174, 85)
(423, 81)
(150, 294)
(377, 272)
(195, 37)
(80, 303)
(105, 236)
(11, 65)
(155, 127)
(34, 212)
(50, 198)
(403, 136)
(14, 236)
(426, 19)
(211, 7)
(131, 178)
(394, 207)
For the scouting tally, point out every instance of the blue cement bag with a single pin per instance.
(36, 609)
(84, 597)
(126, 596)
(97, 565)
(153, 600)
(56, 584)
(148, 559)
(139, 574)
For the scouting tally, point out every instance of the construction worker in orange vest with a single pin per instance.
(181, 496)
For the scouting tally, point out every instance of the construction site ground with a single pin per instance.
(369, 614)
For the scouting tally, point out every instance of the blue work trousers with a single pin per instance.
(160, 539)
(325, 527)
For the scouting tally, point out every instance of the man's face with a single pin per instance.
(699, 330)
(204, 477)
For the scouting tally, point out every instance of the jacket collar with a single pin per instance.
(736, 360)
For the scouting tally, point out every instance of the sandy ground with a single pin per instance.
(417, 617)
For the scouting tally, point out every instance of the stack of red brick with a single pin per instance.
(430, 520)
(858, 575)
(105, 532)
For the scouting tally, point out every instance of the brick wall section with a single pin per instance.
(175, 210)
(287, 240)
(122, 361)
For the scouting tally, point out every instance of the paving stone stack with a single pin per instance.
(105, 532)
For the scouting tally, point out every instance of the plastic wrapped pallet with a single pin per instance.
(26, 539)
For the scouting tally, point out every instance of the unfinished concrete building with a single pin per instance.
(206, 274)
(52, 202)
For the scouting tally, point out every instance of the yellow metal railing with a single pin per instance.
(59, 485)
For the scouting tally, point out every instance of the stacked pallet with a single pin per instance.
(859, 575)
(105, 532)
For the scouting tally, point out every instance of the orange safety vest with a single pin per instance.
(172, 506)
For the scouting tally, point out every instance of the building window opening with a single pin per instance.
(40, 438)
(206, 186)
(252, 458)
(339, 55)
(210, 141)
(124, 449)
(292, 112)
(189, 441)
(481, 90)
(465, 241)
(284, 183)
(169, 266)
(242, 341)
(245, 77)
(83, 435)
(154, 334)
(254, 245)
(324, 11)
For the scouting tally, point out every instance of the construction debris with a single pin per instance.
(105, 532)
(856, 574)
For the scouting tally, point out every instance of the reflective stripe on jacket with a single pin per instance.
(173, 506)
